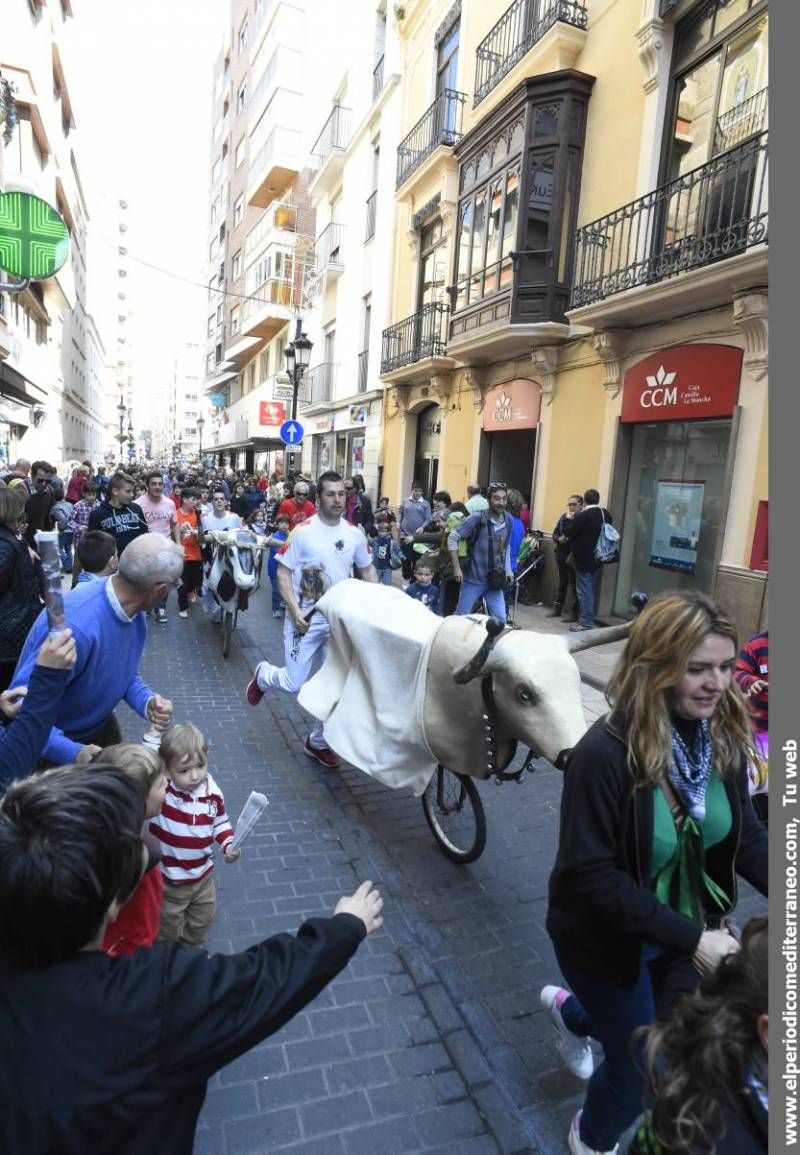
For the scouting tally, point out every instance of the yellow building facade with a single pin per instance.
(579, 288)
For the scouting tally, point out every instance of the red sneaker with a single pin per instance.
(325, 756)
(253, 693)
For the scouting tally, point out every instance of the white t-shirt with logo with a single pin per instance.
(159, 515)
(321, 555)
(227, 521)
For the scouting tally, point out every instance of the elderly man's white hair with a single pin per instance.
(150, 559)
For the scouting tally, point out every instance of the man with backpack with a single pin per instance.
(583, 534)
(488, 566)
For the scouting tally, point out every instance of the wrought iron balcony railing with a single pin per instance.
(417, 337)
(328, 247)
(335, 135)
(515, 33)
(377, 79)
(713, 212)
(441, 124)
(363, 371)
(372, 205)
(319, 381)
(743, 120)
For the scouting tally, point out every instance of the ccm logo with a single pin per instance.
(658, 398)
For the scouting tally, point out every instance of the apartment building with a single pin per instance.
(261, 228)
(353, 114)
(580, 271)
(176, 427)
(52, 351)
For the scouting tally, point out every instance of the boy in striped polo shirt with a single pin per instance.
(192, 819)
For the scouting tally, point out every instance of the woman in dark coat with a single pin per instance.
(20, 584)
(656, 823)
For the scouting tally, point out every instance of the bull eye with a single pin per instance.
(526, 695)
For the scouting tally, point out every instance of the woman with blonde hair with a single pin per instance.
(656, 822)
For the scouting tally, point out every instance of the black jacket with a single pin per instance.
(123, 524)
(583, 531)
(111, 1056)
(561, 550)
(601, 910)
(745, 1121)
(20, 588)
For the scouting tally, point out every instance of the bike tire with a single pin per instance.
(228, 623)
(454, 812)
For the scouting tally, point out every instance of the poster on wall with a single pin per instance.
(358, 455)
(676, 525)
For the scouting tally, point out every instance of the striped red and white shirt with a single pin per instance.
(187, 828)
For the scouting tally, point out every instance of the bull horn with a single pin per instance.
(494, 628)
(601, 637)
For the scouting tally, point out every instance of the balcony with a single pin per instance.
(279, 219)
(275, 166)
(363, 371)
(416, 347)
(711, 223)
(328, 258)
(319, 382)
(372, 205)
(440, 126)
(327, 155)
(520, 27)
(377, 79)
(269, 308)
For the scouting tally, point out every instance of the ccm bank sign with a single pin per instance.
(683, 383)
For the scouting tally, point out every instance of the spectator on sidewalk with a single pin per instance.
(98, 556)
(119, 514)
(582, 533)
(413, 514)
(108, 622)
(476, 501)
(93, 1038)
(299, 507)
(487, 568)
(78, 524)
(20, 583)
(39, 505)
(563, 552)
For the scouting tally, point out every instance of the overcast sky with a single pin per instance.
(143, 104)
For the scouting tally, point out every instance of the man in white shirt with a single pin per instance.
(319, 553)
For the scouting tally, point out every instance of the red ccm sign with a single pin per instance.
(683, 382)
(271, 413)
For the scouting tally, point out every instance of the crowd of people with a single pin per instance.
(107, 848)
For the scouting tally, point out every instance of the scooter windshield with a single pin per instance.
(245, 539)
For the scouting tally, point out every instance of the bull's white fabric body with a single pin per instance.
(370, 689)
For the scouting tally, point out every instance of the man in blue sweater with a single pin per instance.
(108, 624)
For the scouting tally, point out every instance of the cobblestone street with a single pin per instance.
(433, 1038)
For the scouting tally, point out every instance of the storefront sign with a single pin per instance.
(358, 414)
(271, 413)
(676, 525)
(682, 383)
(513, 405)
(218, 400)
(323, 424)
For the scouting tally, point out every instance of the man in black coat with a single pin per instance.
(112, 1055)
(582, 532)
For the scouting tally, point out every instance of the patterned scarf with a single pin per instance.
(691, 769)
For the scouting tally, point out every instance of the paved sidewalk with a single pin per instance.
(433, 1038)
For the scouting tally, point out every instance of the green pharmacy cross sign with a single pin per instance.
(34, 240)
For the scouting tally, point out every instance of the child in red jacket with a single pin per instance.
(140, 917)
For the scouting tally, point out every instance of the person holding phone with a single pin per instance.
(30, 711)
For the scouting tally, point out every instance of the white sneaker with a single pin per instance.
(577, 1052)
(577, 1145)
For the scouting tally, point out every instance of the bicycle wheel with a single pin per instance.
(455, 814)
(228, 623)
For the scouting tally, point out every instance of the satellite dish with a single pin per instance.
(34, 238)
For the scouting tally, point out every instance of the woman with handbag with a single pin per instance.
(656, 822)
(20, 587)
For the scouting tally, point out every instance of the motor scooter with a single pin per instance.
(234, 574)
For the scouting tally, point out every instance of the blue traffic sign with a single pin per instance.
(291, 432)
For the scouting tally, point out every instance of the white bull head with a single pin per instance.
(535, 692)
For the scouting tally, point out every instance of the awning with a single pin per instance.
(258, 443)
(220, 379)
(14, 385)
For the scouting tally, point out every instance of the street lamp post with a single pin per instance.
(200, 423)
(121, 435)
(131, 449)
(298, 356)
